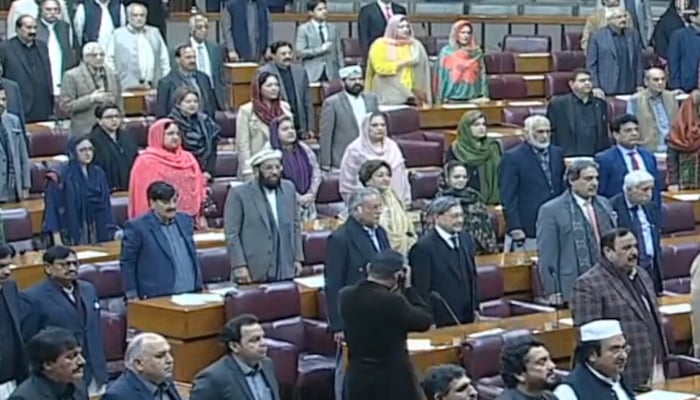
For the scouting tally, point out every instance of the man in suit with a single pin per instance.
(348, 250)
(59, 40)
(579, 119)
(149, 371)
(210, 58)
(527, 371)
(89, 24)
(342, 115)
(655, 108)
(14, 97)
(163, 237)
(378, 314)
(530, 174)
(15, 165)
(598, 20)
(262, 224)
(625, 156)
(371, 23)
(640, 17)
(636, 211)
(448, 382)
(244, 371)
(87, 86)
(25, 60)
(318, 44)
(186, 74)
(65, 301)
(14, 365)
(294, 87)
(614, 56)
(616, 288)
(56, 361)
(568, 230)
(444, 270)
(242, 42)
(684, 54)
(158, 12)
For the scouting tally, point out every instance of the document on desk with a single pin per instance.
(314, 282)
(457, 106)
(672, 309)
(567, 321)
(418, 344)
(84, 255)
(664, 395)
(686, 196)
(196, 299)
(488, 332)
(209, 237)
(531, 103)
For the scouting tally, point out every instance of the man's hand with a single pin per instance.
(306, 199)
(555, 299)
(242, 275)
(233, 56)
(338, 337)
(517, 234)
(98, 96)
(677, 92)
(599, 93)
(325, 48)
(297, 268)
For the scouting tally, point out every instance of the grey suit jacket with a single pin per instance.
(602, 59)
(555, 242)
(217, 58)
(339, 127)
(249, 234)
(224, 380)
(78, 85)
(311, 54)
(307, 119)
(20, 158)
(644, 22)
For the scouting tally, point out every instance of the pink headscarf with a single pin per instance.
(178, 168)
(362, 149)
(391, 33)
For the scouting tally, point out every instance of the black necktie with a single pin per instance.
(455, 242)
(320, 33)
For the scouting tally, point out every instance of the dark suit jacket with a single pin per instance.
(16, 67)
(14, 99)
(63, 35)
(377, 322)
(524, 187)
(612, 170)
(371, 23)
(457, 286)
(224, 380)
(144, 246)
(19, 310)
(169, 84)
(603, 61)
(217, 58)
(37, 387)
(560, 112)
(130, 387)
(348, 250)
(51, 307)
(624, 220)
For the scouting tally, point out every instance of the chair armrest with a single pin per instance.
(488, 392)
(518, 307)
(318, 338)
(285, 356)
(682, 366)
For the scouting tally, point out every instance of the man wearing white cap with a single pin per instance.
(601, 358)
(261, 224)
(342, 115)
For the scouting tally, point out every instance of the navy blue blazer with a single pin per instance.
(624, 220)
(683, 58)
(51, 307)
(130, 387)
(524, 187)
(19, 309)
(147, 264)
(612, 170)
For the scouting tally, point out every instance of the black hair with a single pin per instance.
(262, 78)
(232, 329)
(369, 167)
(180, 47)
(20, 20)
(312, 4)
(160, 191)
(514, 359)
(102, 108)
(579, 71)
(609, 237)
(585, 349)
(279, 44)
(47, 345)
(437, 379)
(7, 251)
(58, 252)
(617, 123)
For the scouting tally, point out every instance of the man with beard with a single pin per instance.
(162, 237)
(262, 225)
(57, 366)
(14, 365)
(527, 371)
(448, 382)
(342, 115)
(64, 301)
(617, 288)
(149, 369)
(600, 359)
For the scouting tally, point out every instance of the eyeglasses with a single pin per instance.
(620, 349)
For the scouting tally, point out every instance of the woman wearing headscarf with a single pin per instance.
(683, 146)
(200, 133)
(373, 144)
(460, 73)
(479, 153)
(254, 118)
(398, 69)
(299, 164)
(77, 209)
(115, 151)
(165, 160)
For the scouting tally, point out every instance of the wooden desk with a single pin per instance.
(690, 385)
(533, 63)
(135, 102)
(447, 116)
(692, 196)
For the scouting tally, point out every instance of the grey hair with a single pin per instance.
(636, 178)
(441, 205)
(136, 346)
(91, 47)
(573, 171)
(533, 120)
(647, 72)
(359, 196)
(194, 18)
(131, 7)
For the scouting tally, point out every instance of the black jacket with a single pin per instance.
(38, 387)
(561, 113)
(169, 84)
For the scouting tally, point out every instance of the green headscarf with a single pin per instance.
(484, 154)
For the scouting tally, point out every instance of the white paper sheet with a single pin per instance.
(418, 344)
(314, 281)
(209, 237)
(533, 77)
(664, 395)
(686, 196)
(525, 103)
(196, 299)
(458, 106)
(240, 64)
(60, 158)
(672, 309)
(83, 255)
(224, 290)
(487, 332)
(681, 97)
(623, 97)
(391, 108)
(567, 321)
(532, 55)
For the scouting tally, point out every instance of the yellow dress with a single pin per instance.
(384, 59)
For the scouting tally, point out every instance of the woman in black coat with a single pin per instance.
(670, 21)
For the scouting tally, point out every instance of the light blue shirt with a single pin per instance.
(662, 121)
(255, 380)
(646, 228)
(628, 159)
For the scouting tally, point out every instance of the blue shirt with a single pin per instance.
(159, 392)
(628, 159)
(185, 280)
(255, 380)
(662, 121)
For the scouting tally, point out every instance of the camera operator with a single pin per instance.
(378, 314)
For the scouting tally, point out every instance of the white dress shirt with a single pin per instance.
(583, 204)
(359, 108)
(646, 228)
(106, 23)
(147, 60)
(271, 196)
(565, 392)
(28, 7)
(447, 237)
(203, 61)
(55, 57)
(322, 26)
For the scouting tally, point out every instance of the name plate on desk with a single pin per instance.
(525, 103)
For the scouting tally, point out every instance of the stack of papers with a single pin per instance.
(675, 309)
(209, 237)
(686, 196)
(391, 108)
(196, 299)
(224, 290)
(313, 282)
(84, 255)
(488, 332)
(418, 344)
(664, 395)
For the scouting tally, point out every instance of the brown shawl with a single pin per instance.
(685, 131)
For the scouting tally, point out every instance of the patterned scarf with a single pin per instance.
(477, 220)
(295, 162)
(266, 110)
(585, 246)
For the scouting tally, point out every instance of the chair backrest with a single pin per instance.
(120, 209)
(527, 44)
(500, 63)
(402, 121)
(481, 356)
(678, 218)
(331, 88)
(17, 223)
(572, 41)
(227, 122)
(567, 61)
(491, 291)
(422, 153)
(107, 279)
(215, 264)
(226, 163)
(47, 142)
(328, 200)
(315, 247)
(556, 83)
(137, 129)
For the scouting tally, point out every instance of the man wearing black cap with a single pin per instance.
(378, 314)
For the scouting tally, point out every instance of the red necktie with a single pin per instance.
(635, 163)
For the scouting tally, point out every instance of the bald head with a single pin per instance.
(148, 355)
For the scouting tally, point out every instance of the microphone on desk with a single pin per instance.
(453, 315)
(557, 289)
